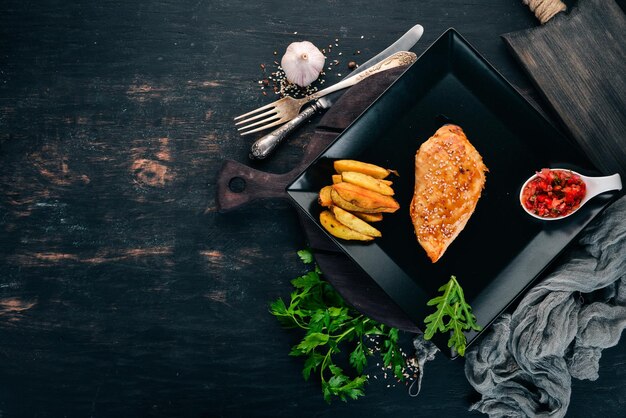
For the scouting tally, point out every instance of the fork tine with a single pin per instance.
(267, 106)
(260, 115)
(261, 122)
(278, 122)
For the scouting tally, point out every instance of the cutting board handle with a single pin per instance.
(545, 10)
(239, 185)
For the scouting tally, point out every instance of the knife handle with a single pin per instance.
(265, 145)
(399, 59)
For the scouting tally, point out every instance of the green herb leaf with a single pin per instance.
(330, 325)
(451, 305)
(307, 281)
(312, 340)
(358, 359)
(278, 308)
(311, 364)
(306, 256)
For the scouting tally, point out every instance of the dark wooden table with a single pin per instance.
(123, 292)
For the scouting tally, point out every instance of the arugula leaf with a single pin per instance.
(470, 319)
(451, 305)
(331, 325)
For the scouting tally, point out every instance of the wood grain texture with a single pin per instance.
(120, 293)
(577, 61)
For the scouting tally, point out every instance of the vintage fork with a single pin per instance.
(287, 108)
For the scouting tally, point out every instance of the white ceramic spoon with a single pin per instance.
(594, 187)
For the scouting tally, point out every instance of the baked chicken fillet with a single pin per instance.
(449, 178)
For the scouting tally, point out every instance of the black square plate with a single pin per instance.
(502, 250)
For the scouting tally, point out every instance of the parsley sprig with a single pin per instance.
(331, 325)
(452, 305)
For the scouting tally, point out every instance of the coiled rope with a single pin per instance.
(544, 10)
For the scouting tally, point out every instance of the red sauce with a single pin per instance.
(553, 193)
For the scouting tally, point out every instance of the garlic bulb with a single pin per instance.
(302, 63)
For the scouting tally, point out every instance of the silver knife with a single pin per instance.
(265, 145)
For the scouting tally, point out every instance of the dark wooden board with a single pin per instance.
(578, 63)
(123, 291)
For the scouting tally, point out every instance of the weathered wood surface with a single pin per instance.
(120, 293)
(578, 62)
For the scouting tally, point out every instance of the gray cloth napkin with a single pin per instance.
(524, 364)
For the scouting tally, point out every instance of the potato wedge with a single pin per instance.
(324, 198)
(361, 167)
(367, 200)
(367, 182)
(339, 230)
(355, 223)
(369, 217)
(350, 207)
(337, 178)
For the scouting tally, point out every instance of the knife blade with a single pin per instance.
(264, 146)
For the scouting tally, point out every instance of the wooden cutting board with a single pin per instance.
(239, 185)
(577, 61)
